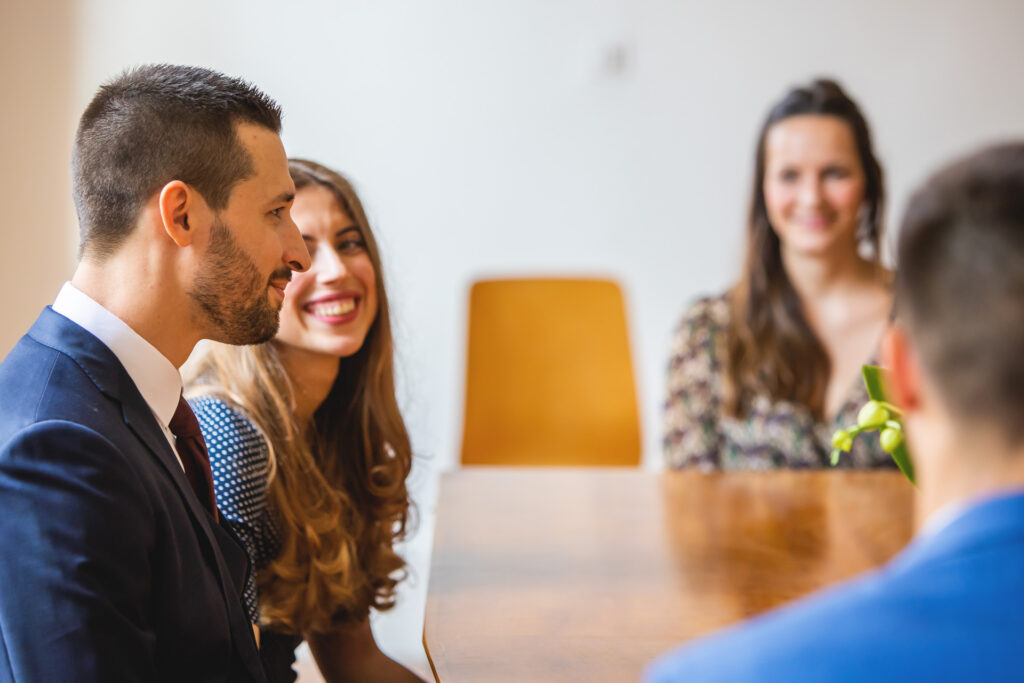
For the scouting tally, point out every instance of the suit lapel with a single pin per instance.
(142, 422)
(149, 432)
(110, 377)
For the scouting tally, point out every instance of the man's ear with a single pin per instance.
(175, 201)
(900, 358)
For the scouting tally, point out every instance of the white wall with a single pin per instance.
(564, 136)
(502, 137)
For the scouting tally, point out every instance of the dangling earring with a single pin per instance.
(865, 245)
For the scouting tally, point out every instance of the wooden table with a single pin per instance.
(587, 574)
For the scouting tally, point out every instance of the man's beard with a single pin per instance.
(232, 294)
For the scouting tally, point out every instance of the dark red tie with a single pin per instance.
(193, 454)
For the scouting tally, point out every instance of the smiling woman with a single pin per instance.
(761, 376)
(308, 448)
(330, 308)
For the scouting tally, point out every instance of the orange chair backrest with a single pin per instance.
(549, 379)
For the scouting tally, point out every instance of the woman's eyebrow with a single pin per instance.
(351, 228)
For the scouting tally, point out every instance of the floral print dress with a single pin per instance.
(773, 434)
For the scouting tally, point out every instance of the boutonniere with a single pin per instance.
(876, 415)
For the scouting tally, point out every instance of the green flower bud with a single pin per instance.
(890, 438)
(872, 415)
(842, 440)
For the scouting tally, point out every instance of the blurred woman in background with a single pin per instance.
(309, 450)
(761, 376)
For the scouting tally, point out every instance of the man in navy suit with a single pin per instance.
(950, 607)
(113, 564)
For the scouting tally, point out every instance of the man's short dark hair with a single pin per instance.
(154, 124)
(960, 285)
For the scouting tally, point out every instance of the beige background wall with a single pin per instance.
(37, 52)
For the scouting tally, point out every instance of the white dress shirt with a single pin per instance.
(154, 375)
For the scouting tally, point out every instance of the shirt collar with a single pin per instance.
(996, 518)
(951, 513)
(154, 375)
(942, 518)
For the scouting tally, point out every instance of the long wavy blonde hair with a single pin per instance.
(336, 487)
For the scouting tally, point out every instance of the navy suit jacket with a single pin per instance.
(110, 567)
(950, 607)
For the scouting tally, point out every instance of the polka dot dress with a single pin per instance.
(239, 461)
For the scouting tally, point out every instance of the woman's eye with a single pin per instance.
(276, 213)
(788, 176)
(837, 172)
(351, 245)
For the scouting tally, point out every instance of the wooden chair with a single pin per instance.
(549, 380)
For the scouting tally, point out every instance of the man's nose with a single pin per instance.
(295, 253)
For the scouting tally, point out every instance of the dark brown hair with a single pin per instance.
(337, 487)
(154, 124)
(769, 343)
(960, 285)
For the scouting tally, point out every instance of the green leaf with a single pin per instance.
(874, 381)
(902, 458)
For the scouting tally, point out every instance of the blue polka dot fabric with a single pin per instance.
(239, 459)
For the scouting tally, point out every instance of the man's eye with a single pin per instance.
(277, 212)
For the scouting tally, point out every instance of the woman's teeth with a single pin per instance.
(333, 309)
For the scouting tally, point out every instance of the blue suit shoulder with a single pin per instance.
(39, 383)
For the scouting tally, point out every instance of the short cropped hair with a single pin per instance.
(154, 124)
(960, 285)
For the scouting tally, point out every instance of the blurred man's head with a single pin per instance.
(960, 295)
